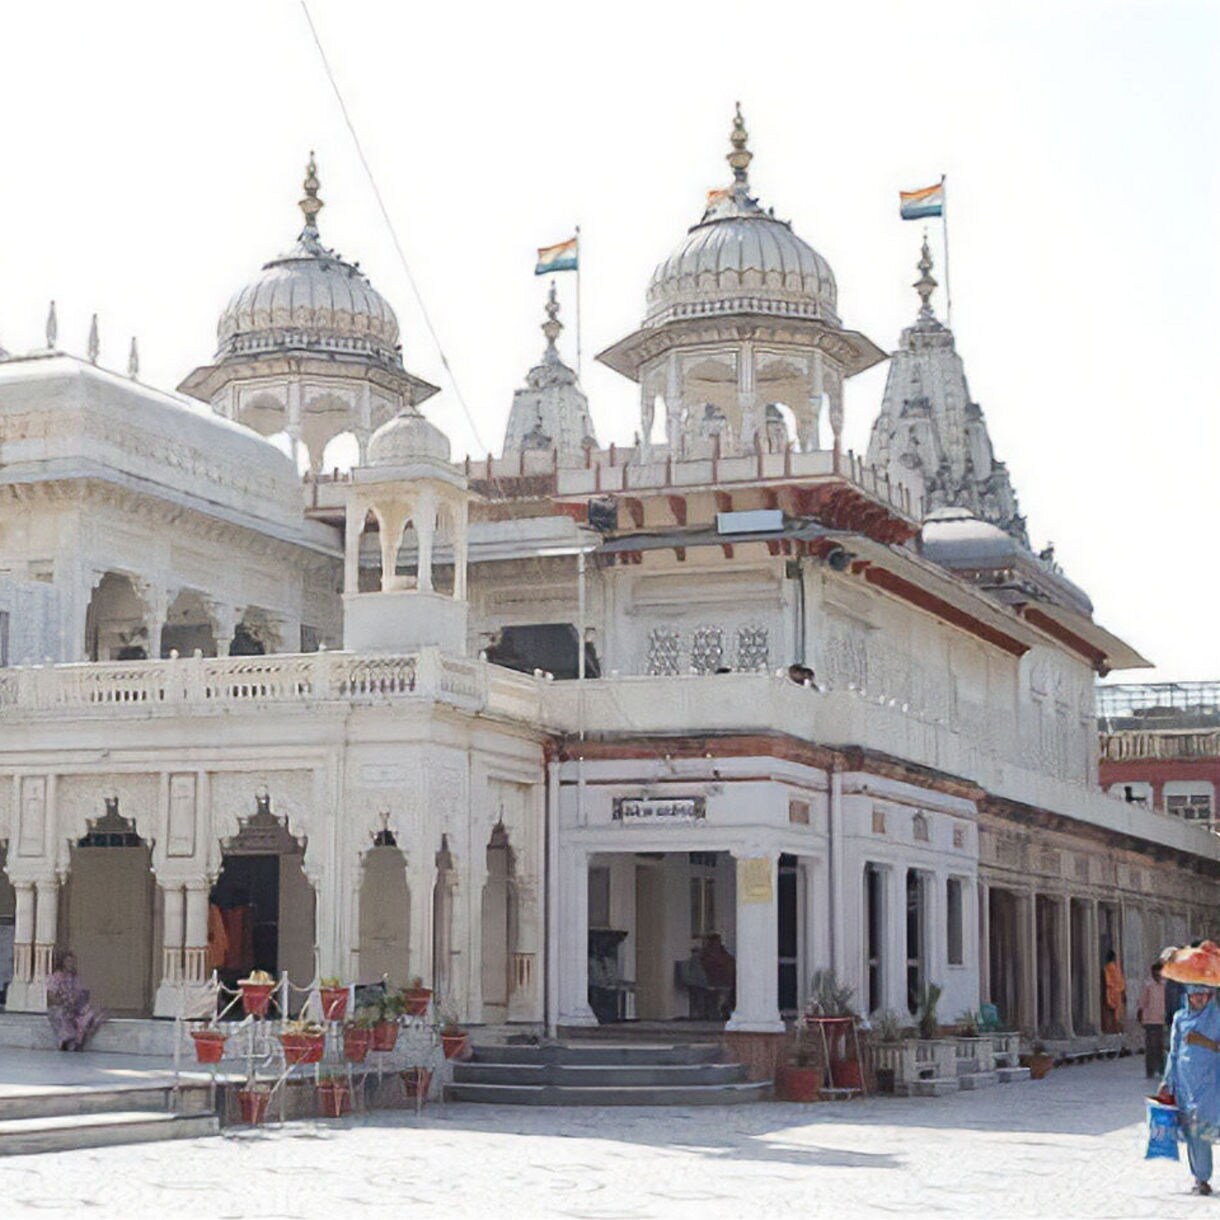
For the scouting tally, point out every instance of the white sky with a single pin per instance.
(153, 155)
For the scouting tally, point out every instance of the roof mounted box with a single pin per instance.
(752, 521)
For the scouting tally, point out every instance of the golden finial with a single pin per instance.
(311, 205)
(739, 159)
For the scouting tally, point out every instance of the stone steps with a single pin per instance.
(57, 1133)
(73, 1101)
(603, 1074)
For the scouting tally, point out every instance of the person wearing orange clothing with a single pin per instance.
(1115, 995)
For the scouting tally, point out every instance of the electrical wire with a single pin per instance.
(385, 215)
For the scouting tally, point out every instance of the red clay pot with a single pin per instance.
(334, 1003)
(385, 1035)
(1038, 1065)
(356, 1043)
(846, 1074)
(253, 1105)
(334, 1098)
(416, 1082)
(455, 1045)
(416, 1001)
(794, 1083)
(255, 997)
(302, 1048)
(209, 1045)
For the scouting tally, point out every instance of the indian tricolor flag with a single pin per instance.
(562, 257)
(915, 205)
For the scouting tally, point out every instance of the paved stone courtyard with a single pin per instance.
(1067, 1146)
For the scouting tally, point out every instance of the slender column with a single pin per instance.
(173, 904)
(747, 398)
(1092, 966)
(23, 932)
(673, 407)
(1063, 964)
(757, 1008)
(422, 883)
(195, 932)
(353, 530)
(894, 950)
(224, 619)
(1027, 961)
(648, 407)
(425, 532)
(983, 898)
(461, 527)
(574, 947)
(810, 433)
(391, 520)
(46, 926)
(523, 956)
(157, 601)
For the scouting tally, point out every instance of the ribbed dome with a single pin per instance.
(407, 438)
(309, 298)
(740, 259)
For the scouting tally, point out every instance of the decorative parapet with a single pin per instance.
(206, 684)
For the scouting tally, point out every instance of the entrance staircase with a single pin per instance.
(90, 1116)
(599, 1073)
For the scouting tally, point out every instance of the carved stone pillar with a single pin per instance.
(1027, 961)
(810, 427)
(757, 1009)
(353, 531)
(1092, 966)
(224, 620)
(747, 398)
(1063, 966)
(523, 995)
(23, 932)
(984, 942)
(157, 601)
(461, 528)
(425, 533)
(172, 931)
(391, 520)
(46, 926)
(574, 939)
(195, 932)
(673, 407)
(834, 410)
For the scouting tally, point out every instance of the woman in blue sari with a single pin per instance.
(1192, 1076)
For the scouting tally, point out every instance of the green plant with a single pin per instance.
(389, 1006)
(330, 982)
(366, 1016)
(449, 1022)
(310, 1029)
(887, 1025)
(926, 1002)
(968, 1024)
(828, 997)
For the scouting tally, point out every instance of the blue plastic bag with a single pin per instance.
(1162, 1131)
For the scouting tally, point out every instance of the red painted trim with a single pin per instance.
(1058, 631)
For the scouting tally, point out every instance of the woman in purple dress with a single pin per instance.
(73, 1019)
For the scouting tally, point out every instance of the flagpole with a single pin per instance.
(579, 370)
(944, 220)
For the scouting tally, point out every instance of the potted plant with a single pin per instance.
(256, 991)
(830, 1012)
(801, 1078)
(416, 998)
(887, 1028)
(455, 1041)
(303, 1042)
(1039, 1061)
(358, 1036)
(209, 1044)
(252, 1101)
(334, 1096)
(926, 1002)
(334, 999)
(968, 1024)
(416, 1081)
(385, 1028)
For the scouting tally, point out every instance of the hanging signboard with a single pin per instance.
(630, 809)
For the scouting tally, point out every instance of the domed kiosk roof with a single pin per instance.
(741, 258)
(309, 296)
(406, 439)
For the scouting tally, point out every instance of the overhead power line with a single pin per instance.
(385, 215)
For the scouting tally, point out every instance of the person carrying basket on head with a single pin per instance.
(1192, 1078)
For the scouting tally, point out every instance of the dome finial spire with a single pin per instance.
(311, 205)
(552, 326)
(739, 159)
(925, 285)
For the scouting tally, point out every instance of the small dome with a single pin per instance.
(740, 259)
(405, 439)
(309, 298)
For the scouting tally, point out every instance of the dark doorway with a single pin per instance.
(247, 901)
(788, 915)
(552, 647)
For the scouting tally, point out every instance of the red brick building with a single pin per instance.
(1160, 746)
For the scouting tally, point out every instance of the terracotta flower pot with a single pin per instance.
(385, 1035)
(209, 1045)
(334, 1003)
(456, 1045)
(302, 1048)
(794, 1083)
(334, 1098)
(416, 1001)
(1038, 1065)
(416, 1082)
(253, 1105)
(255, 997)
(356, 1043)
(845, 1074)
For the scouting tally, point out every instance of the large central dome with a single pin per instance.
(740, 259)
(309, 298)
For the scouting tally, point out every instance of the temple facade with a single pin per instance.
(577, 734)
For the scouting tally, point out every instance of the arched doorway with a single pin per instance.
(116, 621)
(262, 913)
(499, 925)
(385, 914)
(188, 626)
(108, 913)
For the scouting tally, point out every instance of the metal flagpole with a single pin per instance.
(579, 370)
(944, 220)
